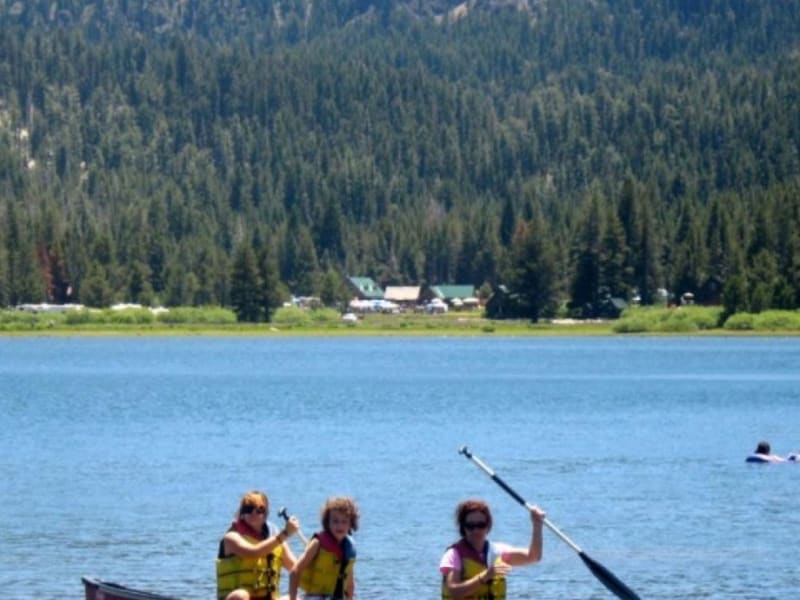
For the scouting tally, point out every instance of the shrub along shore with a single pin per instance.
(326, 321)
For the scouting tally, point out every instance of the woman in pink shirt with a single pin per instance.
(475, 567)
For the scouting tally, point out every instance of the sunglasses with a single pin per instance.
(260, 510)
(475, 525)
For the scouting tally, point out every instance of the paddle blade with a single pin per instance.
(608, 579)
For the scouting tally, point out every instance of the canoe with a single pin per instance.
(103, 590)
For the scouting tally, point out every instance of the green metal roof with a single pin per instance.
(448, 292)
(367, 287)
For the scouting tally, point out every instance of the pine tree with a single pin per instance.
(139, 288)
(629, 211)
(60, 288)
(25, 280)
(4, 283)
(246, 286)
(533, 272)
(586, 292)
(270, 281)
(95, 290)
(206, 270)
(762, 280)
(690, 268)
(332, 292)
(647, 267)
(508, 223)
(735, 297)
(304, 265)
(331, 232)
(614, 254)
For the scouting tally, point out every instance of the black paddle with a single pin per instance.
(606, 577)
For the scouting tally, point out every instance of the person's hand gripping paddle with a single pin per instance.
(285, 514)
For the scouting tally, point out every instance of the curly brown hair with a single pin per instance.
(342, 504)
(472, 505)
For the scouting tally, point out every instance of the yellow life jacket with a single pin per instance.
(321, 577)
(473, 564)
(259, 576)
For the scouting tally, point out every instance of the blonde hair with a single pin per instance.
(342, 504)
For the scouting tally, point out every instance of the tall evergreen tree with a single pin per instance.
(719, 242)
(332, 291)
(24, 276)
(139, 288)
(587, 260)
(331, 232)
(735, 296)
(246, 286)
(4, 282)
(304, 264)
(614, 256)
(763, 281)
(508, 222)
(95, 290)
(629, 211)
(533, 270)
(206, 293)
(691, 262)
(59, 278)
(647, 269)
(270, 281)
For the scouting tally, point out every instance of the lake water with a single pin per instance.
(124, 458)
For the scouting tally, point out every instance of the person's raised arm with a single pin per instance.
(236, 543)
(518, 556)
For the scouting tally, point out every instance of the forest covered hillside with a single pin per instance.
(179, 152)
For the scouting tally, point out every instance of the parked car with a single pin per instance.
(436, 307)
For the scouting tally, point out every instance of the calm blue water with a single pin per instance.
(124, 458)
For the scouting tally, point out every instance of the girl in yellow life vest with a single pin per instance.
(325, 570)
(252, 553)
(475, 568)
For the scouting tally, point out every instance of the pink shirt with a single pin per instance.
(451, 561)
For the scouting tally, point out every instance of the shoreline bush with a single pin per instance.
(778, 320)
(682, 319)
(740, 322)
(203, 315)
(769, 320)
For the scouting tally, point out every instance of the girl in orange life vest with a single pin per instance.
(325, 570)
(252, 552)
(474, 567)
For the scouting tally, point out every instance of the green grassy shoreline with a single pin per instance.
(486, 328)
(693, 321)
(366, 327)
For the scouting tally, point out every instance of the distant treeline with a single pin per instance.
(211, 153)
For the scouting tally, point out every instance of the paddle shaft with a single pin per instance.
(484, 467)
(606, 577)
(282, 513)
